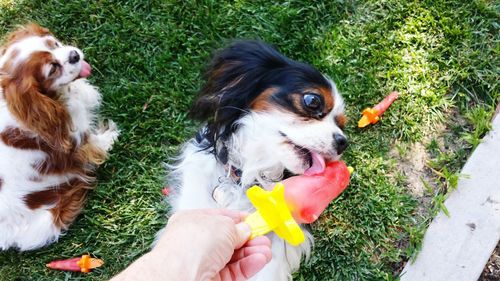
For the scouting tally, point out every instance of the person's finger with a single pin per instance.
(243, 269)
(243, 232)
(247, 251)
(259, 240)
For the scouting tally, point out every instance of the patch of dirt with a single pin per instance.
(412, 160)
(412, 164)
(491, 271)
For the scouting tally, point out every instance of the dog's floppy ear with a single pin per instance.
(38, 112)
(235, 77)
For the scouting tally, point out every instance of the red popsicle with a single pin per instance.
(308, 195)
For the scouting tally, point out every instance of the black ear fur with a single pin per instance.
(235, 78)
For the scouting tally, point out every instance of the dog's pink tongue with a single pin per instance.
(86, 69)
(318, 165)
(308, 196)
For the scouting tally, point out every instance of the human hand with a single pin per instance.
(247, 260)
(214, 245)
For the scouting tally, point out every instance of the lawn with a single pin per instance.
(148, 57)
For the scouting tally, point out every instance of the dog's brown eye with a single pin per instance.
(53, 68)
(313, 102)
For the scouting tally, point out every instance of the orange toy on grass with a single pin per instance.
(83, 264)
(372, 115)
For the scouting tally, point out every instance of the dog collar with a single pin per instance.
(233, 173)
(231, 180)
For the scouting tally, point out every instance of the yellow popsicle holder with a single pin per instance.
(273, 214)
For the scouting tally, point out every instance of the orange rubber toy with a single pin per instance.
(372, 115)
(83, 264)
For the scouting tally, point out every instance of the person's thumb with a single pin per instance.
(243, 232)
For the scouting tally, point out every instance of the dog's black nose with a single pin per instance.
(74, 57)
(340, 142)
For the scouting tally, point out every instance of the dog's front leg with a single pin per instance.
(105, 136)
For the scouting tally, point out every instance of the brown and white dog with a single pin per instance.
(267, 117)
(50, 143)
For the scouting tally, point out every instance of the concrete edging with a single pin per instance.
(458, 247)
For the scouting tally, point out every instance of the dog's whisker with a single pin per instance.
(234, 107)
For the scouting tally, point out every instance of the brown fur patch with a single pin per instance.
(328, 98)
(79, 160)
(1, 183)
(68, 199)
(20, 139)
(341, 120)
(41, 198)
(28, 30)
(262, 102)
(70, 203)
(28, 99)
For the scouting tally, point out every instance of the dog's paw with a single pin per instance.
(106, 135)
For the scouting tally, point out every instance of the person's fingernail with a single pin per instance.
(243, 230)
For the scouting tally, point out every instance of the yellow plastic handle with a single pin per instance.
(273, 214)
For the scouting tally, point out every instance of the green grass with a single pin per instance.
(441, 55)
